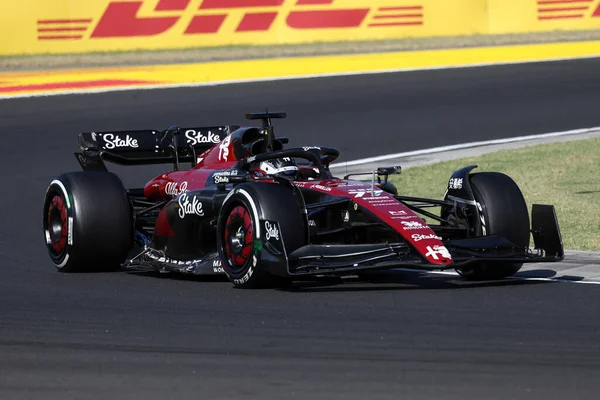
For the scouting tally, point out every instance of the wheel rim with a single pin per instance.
(238, 238)
(56, 226)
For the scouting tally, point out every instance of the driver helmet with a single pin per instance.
(280, 167)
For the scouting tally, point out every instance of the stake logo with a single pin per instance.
(189, 207)
(146, 18)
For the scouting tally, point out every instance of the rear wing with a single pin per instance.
(143, 147)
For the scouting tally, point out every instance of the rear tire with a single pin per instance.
(239, 247)
(87, 222)
(504, 211)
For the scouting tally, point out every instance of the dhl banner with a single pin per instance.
(81, 26)
(520, 16)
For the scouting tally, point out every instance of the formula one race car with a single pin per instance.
(264, 215)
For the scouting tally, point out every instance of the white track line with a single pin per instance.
(518, 278)
(271, 79)
(462, 146)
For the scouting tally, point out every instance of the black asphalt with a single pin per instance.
(131, 336)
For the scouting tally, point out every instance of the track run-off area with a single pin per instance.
(408, 335)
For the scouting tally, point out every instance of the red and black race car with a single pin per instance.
(262, 214)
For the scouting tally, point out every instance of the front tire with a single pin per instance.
(502, 207)
(87, 222)
(239, 245)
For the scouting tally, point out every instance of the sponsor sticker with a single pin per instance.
(412, 225)
(418, 237)
(396, 213)
(436, 252)
(272, 231)
(321, 187)
(381, 201)
(455, 183)
(223, 176)
(197, 137)
(346, 215)
(189, 207)
(355, 184)
(217, 267)
(121, 20)
(70, 232)
(220, 179)
(112, 141)
(365, 193)
(224, 149)
(175, 188)
(482, 219)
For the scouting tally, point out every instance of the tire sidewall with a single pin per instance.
(57, 188)
(248, 274)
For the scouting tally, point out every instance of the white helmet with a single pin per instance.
(279, 166)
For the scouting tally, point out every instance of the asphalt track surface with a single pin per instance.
(132, 336)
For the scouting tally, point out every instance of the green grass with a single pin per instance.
(566, 175)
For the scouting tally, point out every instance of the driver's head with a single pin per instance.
(279, 166)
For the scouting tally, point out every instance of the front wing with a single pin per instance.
(343, 259)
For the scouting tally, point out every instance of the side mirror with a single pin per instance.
(385, 171)
(389, 170)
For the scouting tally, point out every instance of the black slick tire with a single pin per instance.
(87, 222)
(503, 212)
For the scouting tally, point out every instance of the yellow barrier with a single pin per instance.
(519, 16)
(78, 26)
